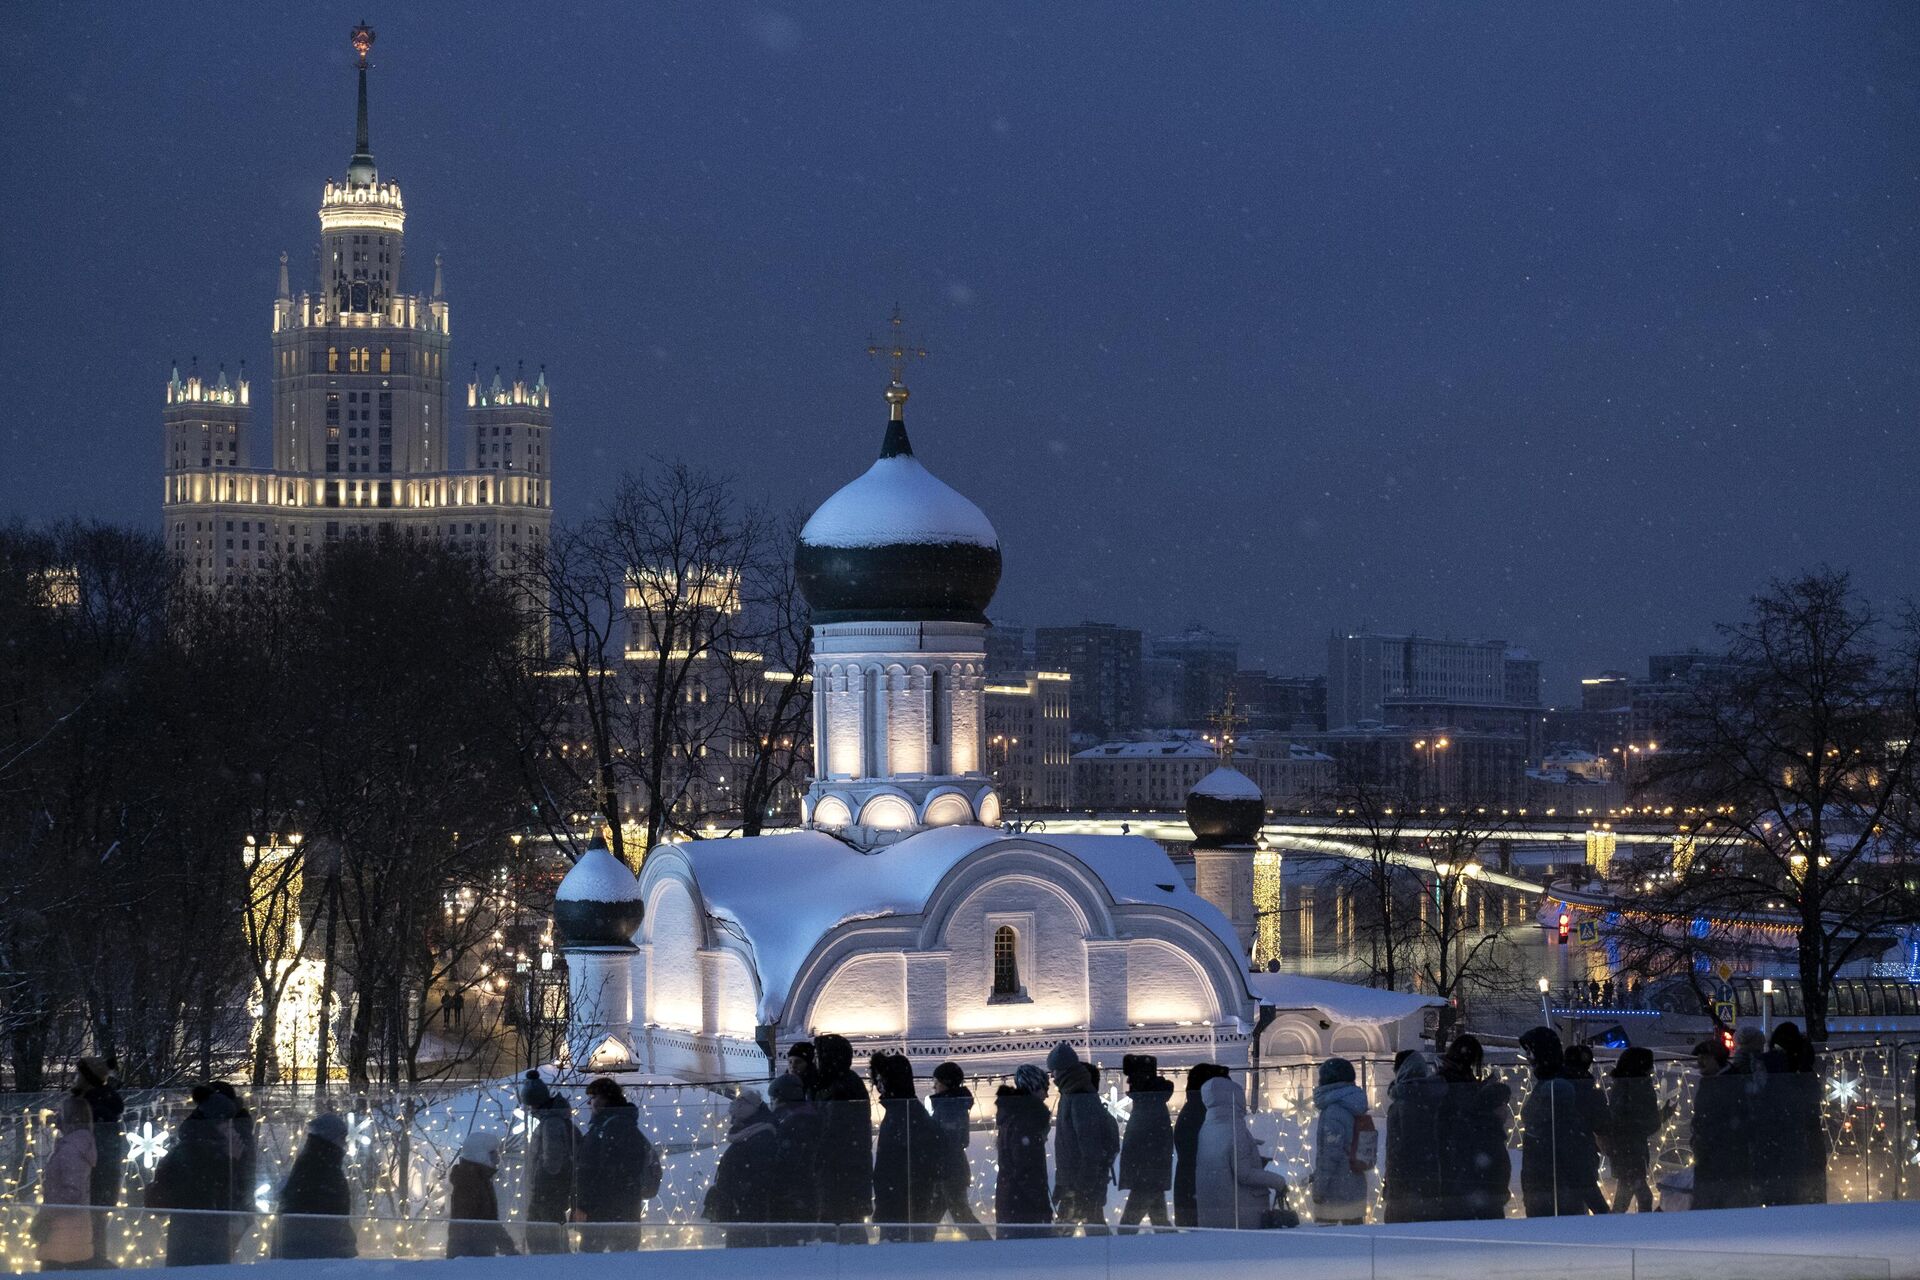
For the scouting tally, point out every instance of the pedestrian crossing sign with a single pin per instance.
(1724, 1011)
(1589, 931)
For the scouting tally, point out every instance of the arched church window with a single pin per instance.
(938, 699)
(333, 359)
(1006, 961)
(386, 359)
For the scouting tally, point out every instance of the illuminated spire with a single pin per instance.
(897, 350)
(360, 169)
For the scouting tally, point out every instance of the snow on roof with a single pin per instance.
(1341, 1001)
(897, 501)
(1172, 749)
(598, 877)
(1228, 783)
(784, 893)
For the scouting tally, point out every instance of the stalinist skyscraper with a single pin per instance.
(362, 421)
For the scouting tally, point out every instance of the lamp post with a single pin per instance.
(1766, 998)
(1546, 1017)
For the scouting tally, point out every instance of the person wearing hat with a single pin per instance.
(619, 1169)
(201, 1170)
(1021, 1204)
(1345, 1147)
(908, 1154)
(952, 1105)
(744, 1183)
(473, 1209)
(1232, 1185)
(1086, 1138)
(844, 1172)
(1146, 1150)
(1559, 1163)
(315, 1200)
(62, 1238)
(102, 1092)
(1479, 1167)
(1634, 1117)
(551, 1150)
(1186, 1140)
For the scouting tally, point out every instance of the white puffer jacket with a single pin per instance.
(1231, 1185)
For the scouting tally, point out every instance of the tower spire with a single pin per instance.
(897, 350)
(360, 169)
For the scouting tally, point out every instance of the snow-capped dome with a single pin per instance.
(598, 904)
(898, 545)
(1225, 807)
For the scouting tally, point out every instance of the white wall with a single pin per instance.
(673, 968)
(1053, 950)
(865, 996)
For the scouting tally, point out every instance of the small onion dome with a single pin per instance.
(1225, 807)
(598, 903)
(898, 545)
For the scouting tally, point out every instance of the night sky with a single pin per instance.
(1565, 323)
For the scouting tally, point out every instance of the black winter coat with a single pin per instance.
(844, 1172)
(1085, 1138)
(551, 1154)
(1414, 1182)
(612, 1160)
(201, 1171)
(1146, 1151)
(1727, 1116)
(796, 1132)
(1020, 1191)
(953, 1112)
(745, 1185)
(1633, 1118)
(109, 1144)
(1559, 1163)
(314, 1204)
(909, 1158)
(474, 1230)
(1477, 1169)
(1186, 1139)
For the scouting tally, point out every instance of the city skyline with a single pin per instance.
(1543, 376)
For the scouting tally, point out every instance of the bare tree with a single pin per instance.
(1375, 815)
(771, 685)
(1797, 752)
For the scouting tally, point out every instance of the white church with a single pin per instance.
(900, 915)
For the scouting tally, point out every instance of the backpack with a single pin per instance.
(650, 1172)
(1364, 1151)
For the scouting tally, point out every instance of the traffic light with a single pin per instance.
(1726, 1038)
(1566, 922)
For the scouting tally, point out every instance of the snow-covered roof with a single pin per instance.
(1171, 749)
(1228, 783)
(1341, 1001)
(897, 502)
(783, 894)
(598, 877)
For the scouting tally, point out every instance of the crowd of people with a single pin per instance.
(807, 1161)
(1757, 1135)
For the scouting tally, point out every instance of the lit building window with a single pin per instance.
(1006, 961)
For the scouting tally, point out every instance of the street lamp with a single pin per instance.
(1546, 1017)
(1766, 995)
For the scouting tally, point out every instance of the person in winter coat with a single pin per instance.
(952, 1107)
(844, 1172)
(201, 1171)
(1478, 1168)
(1414, 1180)
(473, 1210)
(102, 1093)
(617, 1170)
(796, 1133)
(1345, 1147)
(1086, 1138)
(315, 1199)
(552, 1149)
(1722, 1171)
(62, 1230)
(1559, 1163)
(1146, 1151)
(1794, 1085)
(1186, 1135)
(743, 1189)
(1232, 1185)
(247, 1171)
(1634, 1117)
(909, 1155)
(1579, 1070)
(1021, 1205)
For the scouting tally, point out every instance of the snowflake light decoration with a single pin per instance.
(148, 1144)
(263, 1197)
(1843, 1090)
(1118, 1104)
(520, 1122)
(359, 1131)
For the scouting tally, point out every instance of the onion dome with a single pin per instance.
(898, 544)
(598, 903)
(1225, 807)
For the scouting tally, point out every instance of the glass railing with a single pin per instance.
(1444, 1148)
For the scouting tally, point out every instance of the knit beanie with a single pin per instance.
(1336, 1071)
(1061, 1058)
(1032, 1079)
(329, 1127)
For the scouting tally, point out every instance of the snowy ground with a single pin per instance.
(1828, 1242)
